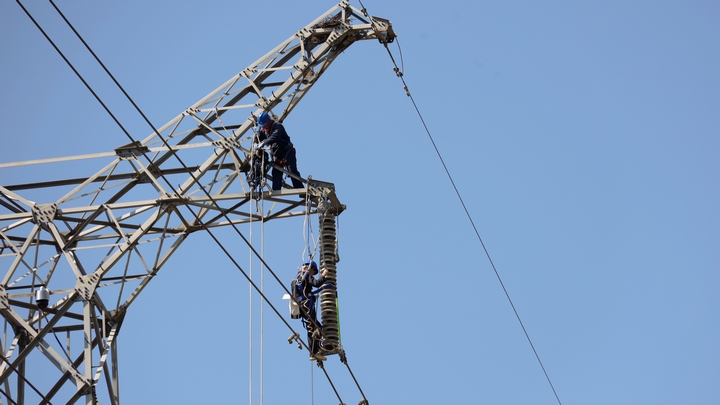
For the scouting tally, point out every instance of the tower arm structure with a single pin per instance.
(76, 252)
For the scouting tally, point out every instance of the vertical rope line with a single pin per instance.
(312, 384)
(262, 303)
(250, 340)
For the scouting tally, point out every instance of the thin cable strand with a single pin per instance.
(400, 74)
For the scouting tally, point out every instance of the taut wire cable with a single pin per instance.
(400, 74)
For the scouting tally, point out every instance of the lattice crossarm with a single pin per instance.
(312, 47)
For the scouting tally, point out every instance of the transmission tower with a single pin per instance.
(78, 251)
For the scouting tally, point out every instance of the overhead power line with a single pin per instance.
(400, 73)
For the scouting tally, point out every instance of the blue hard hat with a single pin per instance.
(312, 265)
(263, 119)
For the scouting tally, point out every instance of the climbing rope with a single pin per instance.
(262, 304)
(250, 321)
(312, 385)
(260, 207)
(309, 252)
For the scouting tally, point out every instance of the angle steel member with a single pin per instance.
(96, 240)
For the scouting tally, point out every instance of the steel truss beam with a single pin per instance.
(96, 241)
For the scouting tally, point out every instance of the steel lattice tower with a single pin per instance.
(93, 243)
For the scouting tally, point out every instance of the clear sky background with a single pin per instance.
(583, 138)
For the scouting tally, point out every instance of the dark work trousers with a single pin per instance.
(290, 164)
(308, 311)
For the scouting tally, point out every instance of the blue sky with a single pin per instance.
(582, 136)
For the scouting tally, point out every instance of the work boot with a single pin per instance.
(318, 357)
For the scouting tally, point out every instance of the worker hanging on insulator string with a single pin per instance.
(272, 135)
(302, 290)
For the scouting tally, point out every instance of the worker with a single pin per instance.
(272, 134)
(302, 291)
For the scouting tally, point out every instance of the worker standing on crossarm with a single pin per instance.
(272, 134)
(302, 291)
